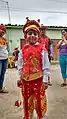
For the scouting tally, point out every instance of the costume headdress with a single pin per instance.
(31, 25)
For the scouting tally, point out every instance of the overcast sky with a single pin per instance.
(50, 12)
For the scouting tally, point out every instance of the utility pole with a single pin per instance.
(7, 9)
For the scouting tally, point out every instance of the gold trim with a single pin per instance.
(33, 76)
(31, 26)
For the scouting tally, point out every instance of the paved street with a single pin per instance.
(57, 97)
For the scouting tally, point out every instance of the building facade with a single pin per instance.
(14, 34)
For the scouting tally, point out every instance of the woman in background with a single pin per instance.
(62, 46)
(3, 57)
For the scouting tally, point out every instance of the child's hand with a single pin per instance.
(45, 84)
(20, 71)
(19, 83)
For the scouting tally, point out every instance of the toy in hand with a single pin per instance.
(17, 103)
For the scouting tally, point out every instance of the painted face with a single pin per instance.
(2, 32)
(32, 37)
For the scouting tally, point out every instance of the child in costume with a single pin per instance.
(3, 57)
(33, 67)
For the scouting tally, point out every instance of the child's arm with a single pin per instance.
(20, 66)
(20, 63)
(45, 66)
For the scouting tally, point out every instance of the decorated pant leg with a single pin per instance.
(28, 101)
(40, 101)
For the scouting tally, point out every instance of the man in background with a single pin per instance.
(47, 43)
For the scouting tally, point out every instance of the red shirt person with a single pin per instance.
(47, 43)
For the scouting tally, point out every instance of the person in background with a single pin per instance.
(47, 43)
(33, 67)
(15, 55)
(3, 57)
(62, 46)
(11, 63)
